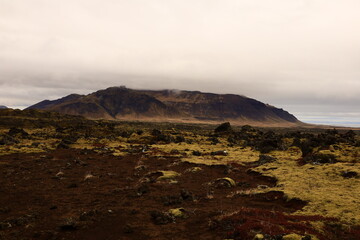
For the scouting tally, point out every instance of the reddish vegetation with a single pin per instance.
(91, 194)
(39, 202)
(245, 223)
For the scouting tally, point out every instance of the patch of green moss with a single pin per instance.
(194, 169)
(327, 192)
(168, 175)
(178, 212)
(235, 154)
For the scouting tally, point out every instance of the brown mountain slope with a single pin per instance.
(111, 103)
(169, 105)
(221, 107)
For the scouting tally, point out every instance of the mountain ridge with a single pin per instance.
(120, 103)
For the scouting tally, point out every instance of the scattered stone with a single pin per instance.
(349, 174)
(8, 140)
(292, 236)
(140, 168)
(213, 140)
(167, 175)
(322, 157)
(88, 177)
(72, 185)
(220, 153)
(60, 174)
(5, 225)
(174, 152)
(265, 158)
(262, 186)
(14, 131)
(69, 140)
(69, 224)
(142, 190)
(186, 195)
(259, 237)
(81, 163)
(306, 237)
(63, 145)
(248, 128)
(194, 169)
(196, 153)
(179, 139)
(228, 169)
(156, 132)
(161, 218)
(244, 184)
(128, 229)
(5, 210)
(224, 127)
(85, 216)
(224, 183)
(178, 212)
(171, 200)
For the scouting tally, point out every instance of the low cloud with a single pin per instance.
(290, 54)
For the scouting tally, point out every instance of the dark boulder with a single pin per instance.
(14, 131)
(161, 218)
(223, 128)
(8, 140)
(264, 158)
(220, 153)
(156, 132)
(179, 139)
(196, 153)
(349, 174)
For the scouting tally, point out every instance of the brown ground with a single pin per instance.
(36, 202)
(86, 194)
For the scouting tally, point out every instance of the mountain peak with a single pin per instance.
(121, 103)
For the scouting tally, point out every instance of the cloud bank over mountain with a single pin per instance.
(294, 54)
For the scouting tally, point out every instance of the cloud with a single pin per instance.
(289, 53)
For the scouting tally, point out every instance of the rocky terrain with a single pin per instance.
(169, 105)
(67, 177)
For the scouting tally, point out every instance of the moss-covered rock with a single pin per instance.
(178, 212)
(168, 175)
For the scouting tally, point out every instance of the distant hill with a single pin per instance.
(3, 107)
(120, 103)
(32, 118)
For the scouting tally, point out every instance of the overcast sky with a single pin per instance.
(301, 55)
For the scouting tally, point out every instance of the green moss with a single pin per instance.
(194, 169)
(236, 154)
(292, 236)
(259, 236)
(168, 175)
(327, 192)
(230, 181)
(178, 212)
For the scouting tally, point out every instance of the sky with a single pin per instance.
(300, 55)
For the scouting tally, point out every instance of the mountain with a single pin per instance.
(111, 103)
(169, 105)
(220, 107)
(3, 107)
